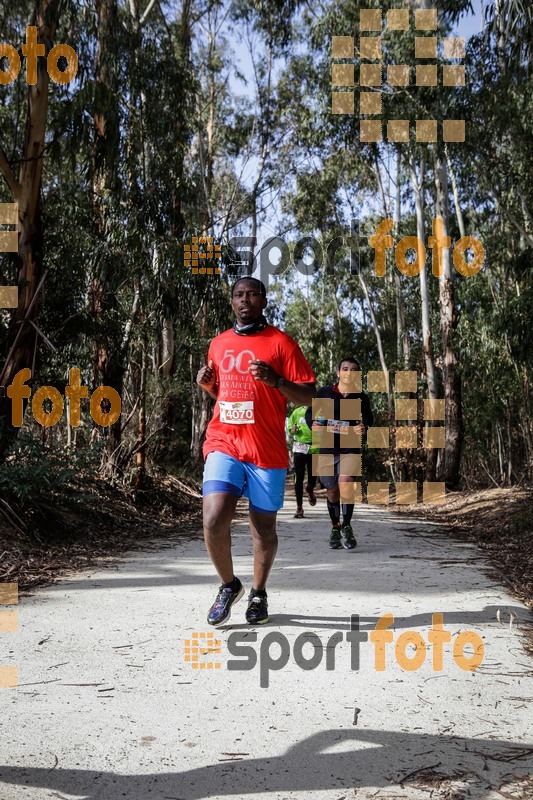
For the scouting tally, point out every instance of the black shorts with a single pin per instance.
(330, 466)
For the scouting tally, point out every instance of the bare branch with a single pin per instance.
(149, 7)
(9, 177)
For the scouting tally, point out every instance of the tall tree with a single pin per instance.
(450, 469)
(108, 363)
(23, 174)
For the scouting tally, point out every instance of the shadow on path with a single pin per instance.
(356, 758)
(484, 616)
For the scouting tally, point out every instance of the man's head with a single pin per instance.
(248, 299)
(349, 371)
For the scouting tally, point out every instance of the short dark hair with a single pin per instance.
(260, 284)
(350, 360)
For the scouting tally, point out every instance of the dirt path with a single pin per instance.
(108, 708)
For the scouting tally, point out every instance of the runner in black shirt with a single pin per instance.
(342, 415)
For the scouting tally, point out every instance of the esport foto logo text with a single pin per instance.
(273, 652)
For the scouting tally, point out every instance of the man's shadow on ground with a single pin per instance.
(356, 758)
(486, 615)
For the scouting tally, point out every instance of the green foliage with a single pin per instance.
(30, 472)
(186, 152)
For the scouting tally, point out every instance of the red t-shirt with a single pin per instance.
(249, 418)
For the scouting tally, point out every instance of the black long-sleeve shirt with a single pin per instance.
(339, 416)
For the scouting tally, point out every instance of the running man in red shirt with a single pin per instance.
(252, 370)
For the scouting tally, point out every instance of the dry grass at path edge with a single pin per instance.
(500, 523)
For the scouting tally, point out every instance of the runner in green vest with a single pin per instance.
(302, 450)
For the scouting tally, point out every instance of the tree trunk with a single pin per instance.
(402, 338)
(140, 458)
(457, 205)
(165, 351)
(500, 36)
(21, 345)
(180, 130)
(450, 469)
(201, 402)
(164, 362)
(375, 325)
(418, 187)
(202, 406)
(108, 363)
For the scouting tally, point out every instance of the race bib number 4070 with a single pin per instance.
(240, 413)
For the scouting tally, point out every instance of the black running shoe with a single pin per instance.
(220, 611)
(257, 611)
(335, 538)
(348, 539)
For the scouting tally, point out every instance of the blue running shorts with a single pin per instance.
(264, 488)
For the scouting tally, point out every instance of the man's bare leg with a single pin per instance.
(333, 494)
(265, 541)
(218, 512)
(344, 491)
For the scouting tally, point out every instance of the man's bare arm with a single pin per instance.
(300, 393)
(206, 379)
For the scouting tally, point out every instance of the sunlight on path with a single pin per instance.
(109, 708)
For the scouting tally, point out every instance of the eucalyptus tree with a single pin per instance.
(25, 147)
